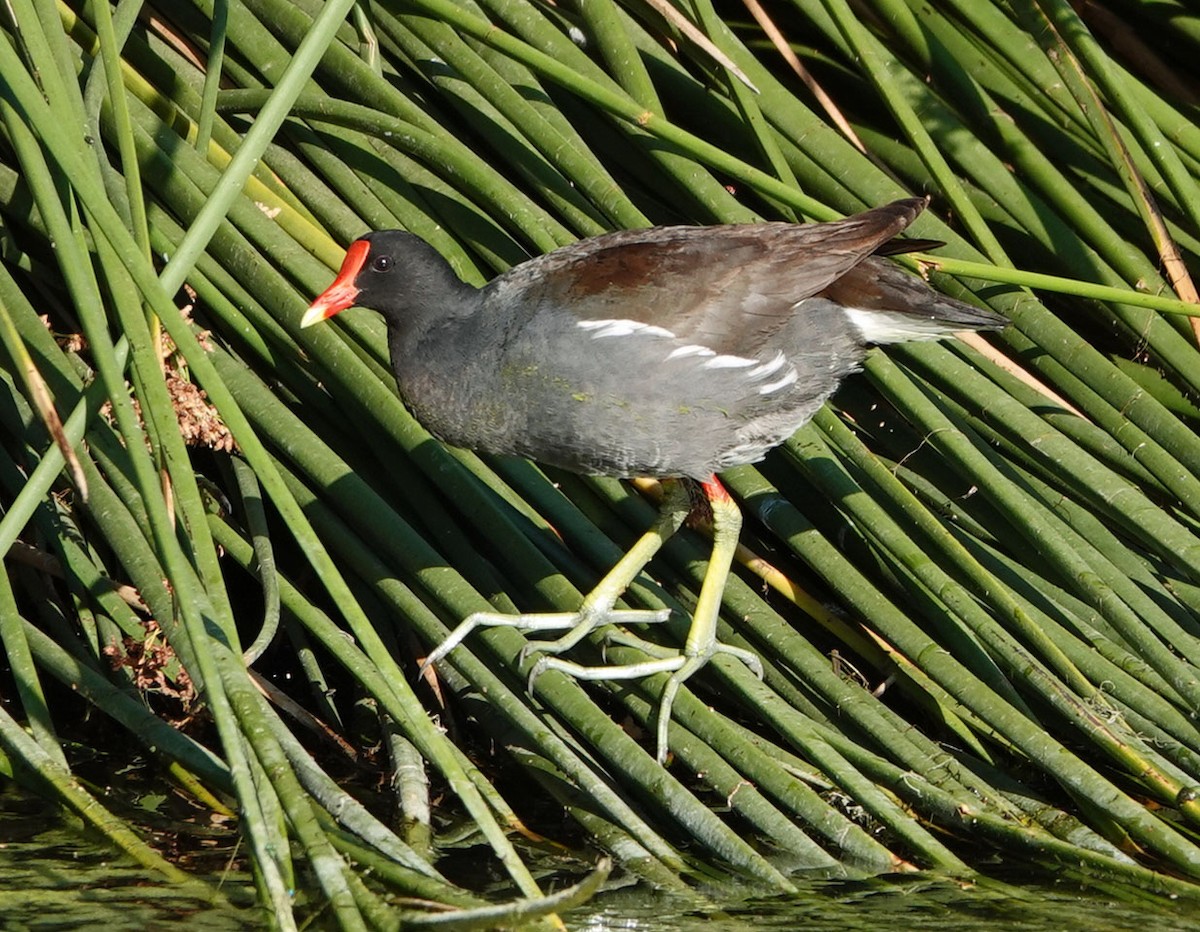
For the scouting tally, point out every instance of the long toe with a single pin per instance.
(587, 621)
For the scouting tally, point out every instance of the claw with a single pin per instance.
(534, 672)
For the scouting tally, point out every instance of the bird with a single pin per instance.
(672, 352)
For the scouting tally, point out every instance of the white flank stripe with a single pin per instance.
(770, 367)
(779, 383)
(691, 349)
(728, 362)
(622, 328)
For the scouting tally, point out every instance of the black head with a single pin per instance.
(391, 271)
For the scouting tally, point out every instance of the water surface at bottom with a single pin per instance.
(56, 877)
(53, 877)
(913, 902)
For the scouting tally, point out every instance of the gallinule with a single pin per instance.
(672, 351)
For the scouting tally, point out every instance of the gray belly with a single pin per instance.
(651, 418)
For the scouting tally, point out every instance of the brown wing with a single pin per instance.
(726, 287)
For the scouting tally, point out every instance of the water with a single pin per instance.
(898, 905)
(54, 877)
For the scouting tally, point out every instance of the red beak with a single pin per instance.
(342, 293)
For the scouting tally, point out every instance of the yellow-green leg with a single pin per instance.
(597, 608)
(702, 644)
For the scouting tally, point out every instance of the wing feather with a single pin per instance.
(729, 288)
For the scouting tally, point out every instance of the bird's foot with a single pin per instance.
(578, 625)
(591, 616)
(680, 666)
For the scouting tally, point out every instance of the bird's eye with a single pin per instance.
(382, 264)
